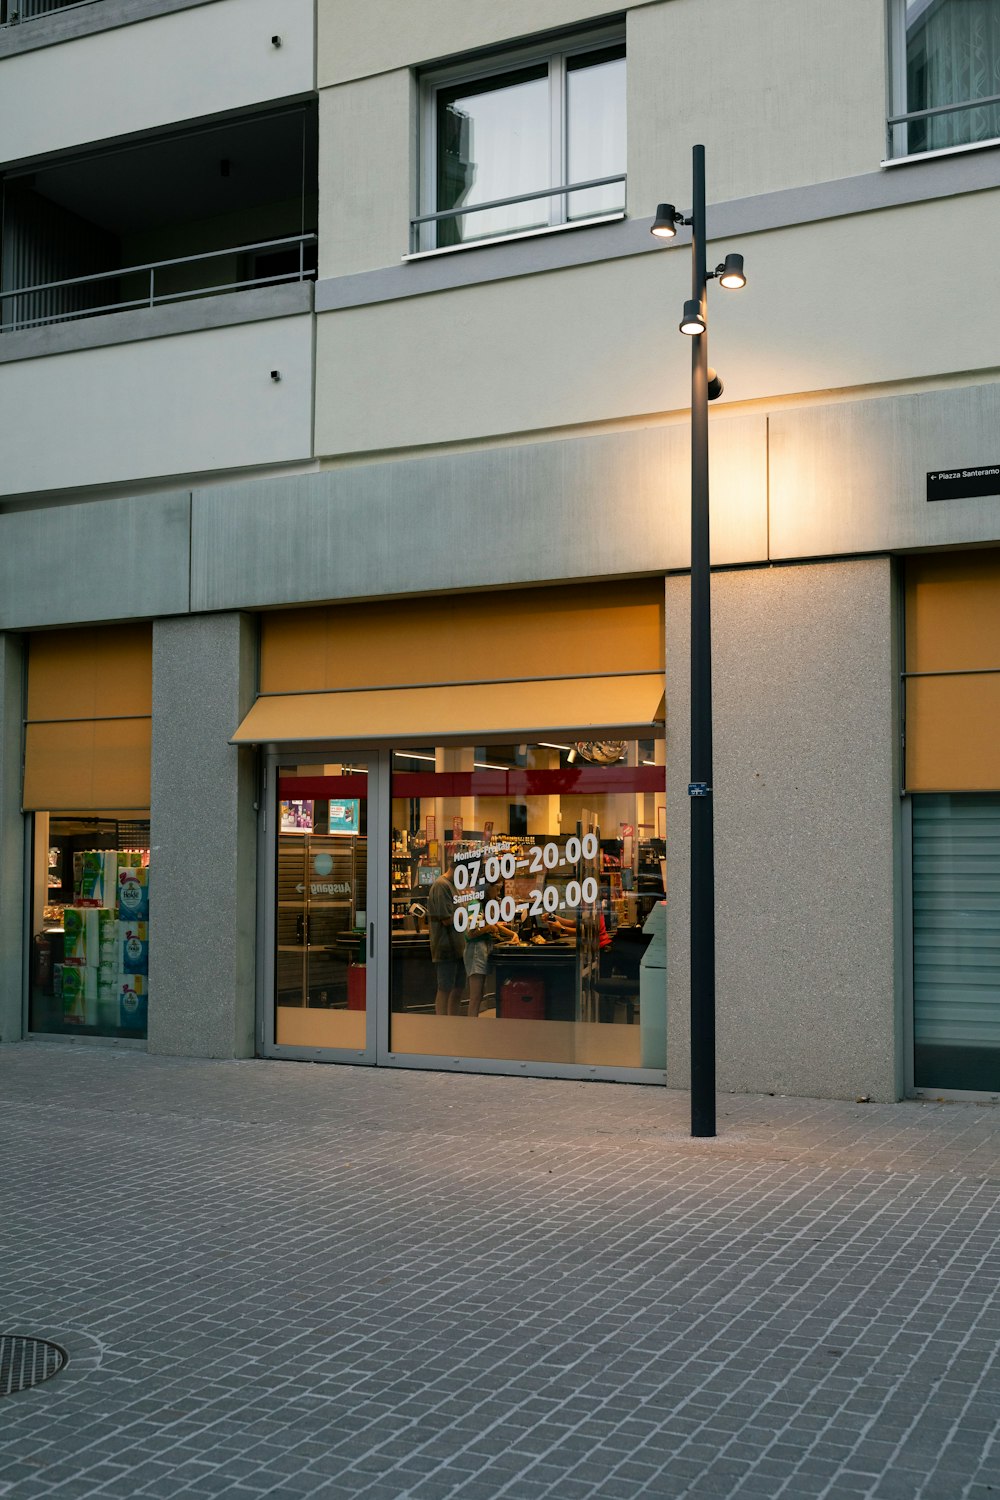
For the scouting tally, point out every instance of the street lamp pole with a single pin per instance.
(705, 386)
(700, 788)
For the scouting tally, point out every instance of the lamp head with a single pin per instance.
(730, 273)
(692, 322)
(664, 226)
(715, 386)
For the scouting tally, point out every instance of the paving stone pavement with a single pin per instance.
(289, 1279)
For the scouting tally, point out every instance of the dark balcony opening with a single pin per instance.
(223, 208)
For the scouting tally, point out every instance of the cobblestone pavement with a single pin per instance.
(288, 1279)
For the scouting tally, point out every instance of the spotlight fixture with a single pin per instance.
(730, 273)
(664, 226)
(715, 386)
(692, 322)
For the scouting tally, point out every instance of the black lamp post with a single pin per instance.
(705, 386)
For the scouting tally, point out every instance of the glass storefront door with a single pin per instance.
(322, 992)
(448, 905)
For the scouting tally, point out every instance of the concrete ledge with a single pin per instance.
(916, 183)
(256, 305)
(85, 20)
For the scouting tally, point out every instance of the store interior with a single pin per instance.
(89, 971)
(556, 852)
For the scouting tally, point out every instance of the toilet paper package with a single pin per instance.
(133, 893)
(133, 947)
(94, 877)
(90, 935)
(79, 994)
(75, 930)
(133, 1003)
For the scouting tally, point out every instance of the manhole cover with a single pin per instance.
(25, 1362)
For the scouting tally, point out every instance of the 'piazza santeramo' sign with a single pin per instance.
(963, 484)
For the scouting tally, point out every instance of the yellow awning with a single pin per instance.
(469, 712)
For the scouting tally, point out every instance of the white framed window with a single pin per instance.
(944, 58)
(531, 141)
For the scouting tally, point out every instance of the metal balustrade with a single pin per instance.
(14, 317)
(13, 12)
(563, 191)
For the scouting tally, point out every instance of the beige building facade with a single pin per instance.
(344, 535)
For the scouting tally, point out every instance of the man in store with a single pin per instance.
(447, 945)
(477, 954)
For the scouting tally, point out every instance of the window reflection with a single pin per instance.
(523, 879)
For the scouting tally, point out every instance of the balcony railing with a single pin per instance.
(17, 313)
(563, 191)
(12, 12)
(915, 132)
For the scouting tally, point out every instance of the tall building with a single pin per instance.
(344, 534)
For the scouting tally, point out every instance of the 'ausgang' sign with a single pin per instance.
(962, 484)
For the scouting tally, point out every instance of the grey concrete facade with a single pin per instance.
(804, 790)
(149, 536)
(203, 839)
(12, 871)
(797, 482)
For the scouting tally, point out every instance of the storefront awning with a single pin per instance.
(469, 712)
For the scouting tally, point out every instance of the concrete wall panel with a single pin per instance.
(381, 35)
(800, 100)
(779, 95)
(114, 559)
(823, 309)
(805, 800)
(581, 508)
(176, 67)
(187, 404)
(12, 871)
(366, 181)
(203, 833)
(852, 477)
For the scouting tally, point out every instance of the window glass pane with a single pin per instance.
(493, 141)
(322, 907)
(952, 57)
(89, 972)
(522, 877)
(595, 129)
(956, 941)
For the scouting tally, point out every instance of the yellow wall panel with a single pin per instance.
(953, 611)
(87, 764)
(952, 739)
(490, 637)
(104, 672)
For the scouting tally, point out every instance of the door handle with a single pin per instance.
(371, 939)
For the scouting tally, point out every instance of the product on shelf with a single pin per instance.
(103, 979)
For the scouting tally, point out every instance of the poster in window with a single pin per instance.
(344, 815)
(296, 817)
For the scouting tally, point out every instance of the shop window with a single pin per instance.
(509, 146)
(945, 57)
(528, 884)
(90, 922)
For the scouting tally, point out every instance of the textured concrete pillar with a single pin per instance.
(12, 871)
(806, 820)
(203, 835)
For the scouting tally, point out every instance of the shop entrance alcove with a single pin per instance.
(464, 833)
